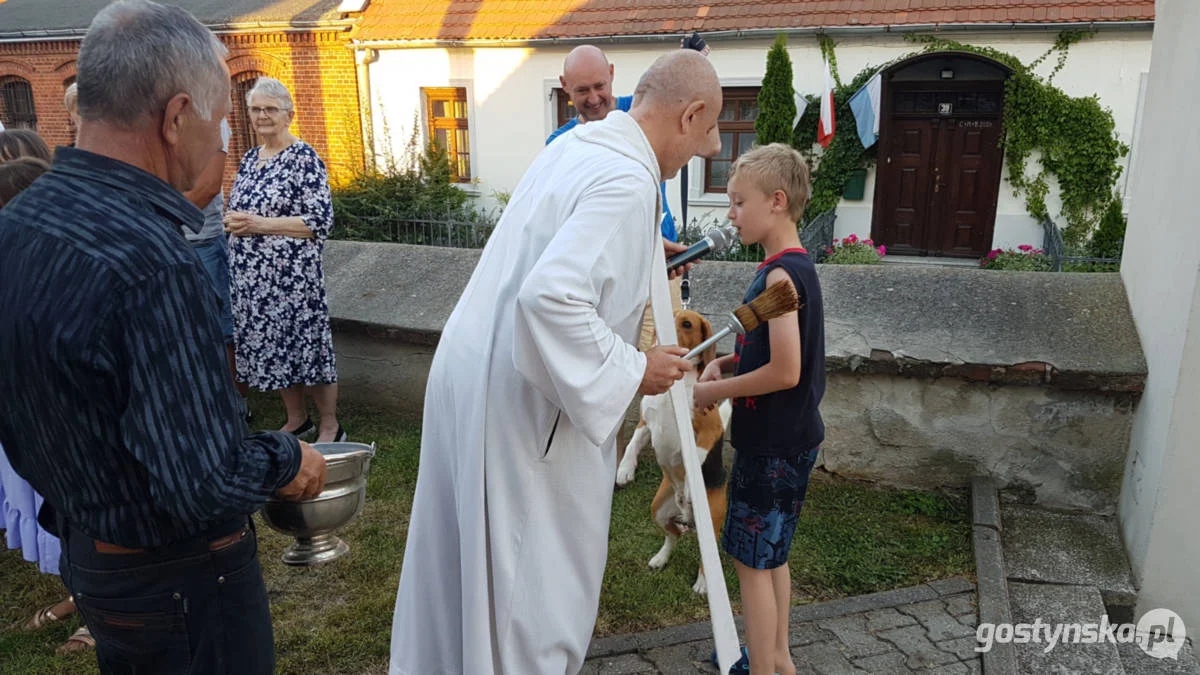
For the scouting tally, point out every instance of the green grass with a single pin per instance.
(853, 538)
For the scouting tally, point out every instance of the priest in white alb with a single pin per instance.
(536, 366)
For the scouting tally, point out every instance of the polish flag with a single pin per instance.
(826, 126)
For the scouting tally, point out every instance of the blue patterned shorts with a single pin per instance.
(765, 496)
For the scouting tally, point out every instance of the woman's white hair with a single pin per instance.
(138, 54)
(271, 88)
(71, 98)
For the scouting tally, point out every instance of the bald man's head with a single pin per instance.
(678, 77)
(677, 102)
(587, 78)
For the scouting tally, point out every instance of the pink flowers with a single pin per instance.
(854, 251)
(1023, 257)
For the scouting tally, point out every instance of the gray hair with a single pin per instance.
(138, 54)
(273, 88)
(71, 98)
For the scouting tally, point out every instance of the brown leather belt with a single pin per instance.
(214, 545)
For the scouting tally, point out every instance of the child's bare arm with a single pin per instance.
(716, 368)
(781, 372)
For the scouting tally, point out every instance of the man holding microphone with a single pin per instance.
(587, 78)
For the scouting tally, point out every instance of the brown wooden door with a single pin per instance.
(902, 209)
(938, 173)
(966, 186)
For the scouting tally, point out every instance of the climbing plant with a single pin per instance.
(776, 102)
(832, 167)
(1074, 136)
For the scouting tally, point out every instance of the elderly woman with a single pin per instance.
(279, 213)
(71, 103)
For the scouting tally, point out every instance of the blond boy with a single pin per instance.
(778, 379)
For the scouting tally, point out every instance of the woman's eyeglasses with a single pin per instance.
(270, 110)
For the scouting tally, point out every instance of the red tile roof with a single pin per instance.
(525, 19)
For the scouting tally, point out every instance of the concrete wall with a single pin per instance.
(1064, 448)
(935, 375)
(1159, 500)
(512, 110)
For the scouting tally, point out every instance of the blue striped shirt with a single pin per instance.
(118, 403)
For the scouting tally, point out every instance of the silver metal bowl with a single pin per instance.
(313, 521)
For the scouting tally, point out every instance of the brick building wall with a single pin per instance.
(48, 67)
(316, 66)
(320, 72)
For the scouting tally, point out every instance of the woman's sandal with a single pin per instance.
(79, 641)
(44, 617)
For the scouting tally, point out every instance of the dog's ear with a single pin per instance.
(709, 354)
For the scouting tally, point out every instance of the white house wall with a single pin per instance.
(512, 111)
(1159, 500)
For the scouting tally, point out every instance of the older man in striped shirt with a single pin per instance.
(119, 408)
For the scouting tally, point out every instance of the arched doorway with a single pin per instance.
(940, 159)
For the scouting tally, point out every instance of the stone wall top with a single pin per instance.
(1072, 331)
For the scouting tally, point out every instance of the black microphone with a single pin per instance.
(715, 240)
(694, 41)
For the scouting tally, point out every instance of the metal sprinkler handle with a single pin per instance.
(734, 326)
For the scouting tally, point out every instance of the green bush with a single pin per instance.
(1109, 238)
(1024, 258)
(776, 101)
(854, 251)
(407, 203)
(1091, 267)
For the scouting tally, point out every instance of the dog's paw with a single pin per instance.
(625, 475)
(659, 560)
(701, 585)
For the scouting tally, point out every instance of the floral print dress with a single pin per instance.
(277, 285)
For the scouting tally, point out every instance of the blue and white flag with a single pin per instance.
(865, 106)
(801, 106)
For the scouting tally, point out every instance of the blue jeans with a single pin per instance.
(194, 607)
(214, 253)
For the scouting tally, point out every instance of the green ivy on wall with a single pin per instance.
(845, 154)
(1075, 137)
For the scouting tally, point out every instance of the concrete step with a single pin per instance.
(1043, 546)
(1061, 604)
(929, 261)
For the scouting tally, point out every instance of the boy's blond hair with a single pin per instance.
(777, 167)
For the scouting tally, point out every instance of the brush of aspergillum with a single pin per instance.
(779, 299)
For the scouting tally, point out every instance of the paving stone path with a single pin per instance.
(928, 629)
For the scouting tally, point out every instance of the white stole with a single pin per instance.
(724, 632)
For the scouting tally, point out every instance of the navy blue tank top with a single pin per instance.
(783, 423)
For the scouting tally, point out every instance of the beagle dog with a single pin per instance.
(672, 505)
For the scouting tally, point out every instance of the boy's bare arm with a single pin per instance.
(781, 372)
(717, 367)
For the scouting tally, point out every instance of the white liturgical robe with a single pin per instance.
(536, 366)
